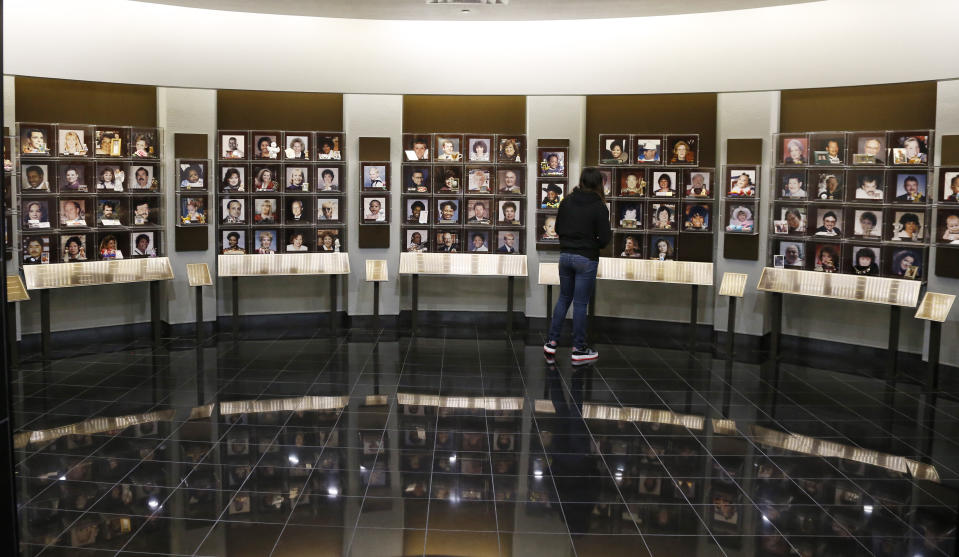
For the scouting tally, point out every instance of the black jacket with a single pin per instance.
(583, 224)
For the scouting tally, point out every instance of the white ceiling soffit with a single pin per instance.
(491, 10)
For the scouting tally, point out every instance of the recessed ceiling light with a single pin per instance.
(465, 11)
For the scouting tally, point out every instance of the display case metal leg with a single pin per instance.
(549, 304)
(199, 315)
(45, 323)
(510, 286)
(415, 288)
(236, 308)
(12, 352)
(376, 305)
(333, 302)
(155, 311)
(928, 419)
(730, 354)
(893, 371)
(774, 347)
(693, 316)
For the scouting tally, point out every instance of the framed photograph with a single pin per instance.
(7, 154)
(792, 252)
(110, 177)
(193, 210)
(416, 240)
(329, 240)
(614, 149)
(233, 210)
(37, 249)
(192, 175)
(824, 258)
(867, 222)
(662, 247)
(329, 146)
(375, 176)
(449, 147)
(266, 177)
(112, 246)
(828, 221)
(662, 216)
(416, 179)
(867, 148)
(111, 142)
(479, 148)
(74, 247)
(447, 211)
(908, 226)
(447, 241)
(510, 181)
(665, 184)
(266, 210)
(298, 240)
(550, 194)
(552, 162)
(233, 179)
(828, 148)
(607, 174)
(863, 260)
(35, 212)
(697, 217)
(478, 211)
(297, 179)
(682, 149)
(233, 242)
(479, 179)
(789, 219)
(36, 139)
(791, 184)
(146, 211)
(266, 145)
(649, 149)
(546, 228)
(509, 241)
(511, 148)
(233, 145)
(866, 185)
(509, 212)
(742, 182)
(830, 186)
(111, 212)
(906, 263)
(629, 214)
(699, 183)
(144, 244)
(416, 147)
(478, 240)
(632, 182)
(297, 210)
(910, 148)
(417, 210)
(146, 143)
(629, 246)
(447, 179)
(74, 141)
(328, 210)
(375, 209)
(793, 150)
(740, 217)
(297, 146)
(328, 178)
(35, 178)
(73, 213)
(910, 187)
(725, 508)
(265, 241)
(949, 185)
(947, 231)
(144, 177)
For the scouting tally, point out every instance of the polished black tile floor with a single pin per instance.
(468, 444)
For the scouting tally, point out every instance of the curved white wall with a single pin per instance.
(829, 43)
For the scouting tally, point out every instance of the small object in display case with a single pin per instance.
(74, 141)
(793, 150)
(36, 139)
(697, 217)
(479, 147)
(265, 210)
(233, 145)
(910, 187)
(867, 185)
(146, 211)
(233, 242)
(193, 210)
(546, 228)
(266, 178)
(375, 209)
(74, 247)
(417, 210)
(948, 229)
(297, 179)
(629, 246)
(449, 147)
(447, 179)
(143, 244)
(447, 241)
(607, 175)
(791, 184)
(416, 147)
(266, 145)
(629, 214)
(297, 146)
(828, 148)
(192, 175)
(375, 176)
(550, 195)
(509, 212)
(146, 143)
(682, 149)
(298, 241)
(509, 241)
(73, 212)
(908, 226)
(741, 182)
(831, 186)
(111, 212)
(416, 179)
(665, 184)
(867, 148)
(329, 146)
(477, 212)
(824, 258)
(552, 161)
(265, 241)
(298, 210)
(110, 177)
(791, 219)
(910, 148)
(904, 262)
(233, 179)
(867, 222)
(793, 253)
(649, 150)
(35, 178)
(35, 212)
(632, 182)
(614, 149)
(741, 217)
(329, 240)
(949, 185)
(112, 245)
(662, 216)
(328, 178)
(37, 249)
(479, 179)
(828, 221)
(328, 210)
(478, 240)
(416, 240)
(143, 177)
(447, 211)
(233, 210)
(111, 142)
(512, 148)
(699, 183)
(662, 247)
(863, 260)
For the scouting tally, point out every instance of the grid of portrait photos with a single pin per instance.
(89, 192)
(375, 192)
(947, 208)
(463, 193)
(853, 202)
(280, 192)
(740, 194)
(9, 177)
(552, 185)
(656, 193)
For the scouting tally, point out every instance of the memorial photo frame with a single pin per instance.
(904, 262)
(480, 180)
(298, 210)
(375, 175)
(447, 241)
(416, 147)
(266, 145)
(510, 181)
(949, 185)
(110, 177)
(478, 240)
(447, 211)
(910, 148)
(511, 149)
(233, 145)
(827, 222)
(479, 148)
(448, 147)
(863, 186)
(632, 182)
(145, 178)
(111, 212)
(111, 141)
(36, 140)
(682, 150)
(145, 211)
(266, 178)
(824, 257)
(375, 209)
(233, 242)
(509, 212)
(297, 146)
(36, 213)
(417, 210)
(192, 174)
(907, 225)
(296, 179)
(614, 149)
(552, 162)
(628, 246)
(509, 241)
(607, 174)
(551, 194)
(233, 210)
(830, 186)
(416, 240)
(793, 253)
(947, 228)
(145, 143)
(792, 150)
(867, 223)
(328, 210)
(298, 240)
(699, 183)
(742, 182)
(266, 211)
(35, 177)
(663, 247)
(629, 214)
(648, 149)
(447, 179)
(266, 241)
(663, 215)
(479, 212)
(863, 260)
(233, 178)
(790, 219)
(791, 183)
(112, 246)
(910, 187)
(329, 179)
(697, 217)
(867, 148)
(75, 212)
(75, 247)
(416, 178)
(144, 244)
(741, 217)
(664, 183)
(75, 141)
(828, 148)
(329, 147)
(546, 228)
(37, 249)
(193, 210)
(330, 240)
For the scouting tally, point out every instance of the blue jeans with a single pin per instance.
(577, 274)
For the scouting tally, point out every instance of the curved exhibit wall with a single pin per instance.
(819, 44)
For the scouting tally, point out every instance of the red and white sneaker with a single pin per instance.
(550, 347)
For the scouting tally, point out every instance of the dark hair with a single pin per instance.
(259, 142)
(142, 237)
(897, 259)
(794, 212)
(478, 143)
(868, 178)
(591, 180)
(870, 216)
(110, 204)
(34, 168)
(829, 214)
(146, 139)
(233, 235)
(866, 252)
(698, 210)
(509, 204)
(616, 143)
(73, 240)
(419, 204)
(909, 217)
(666, 177)
(910, 179)
(479, 235)
(668, 210)
(445, 203)
(827, 249)
(229, 173)
(328, 171)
